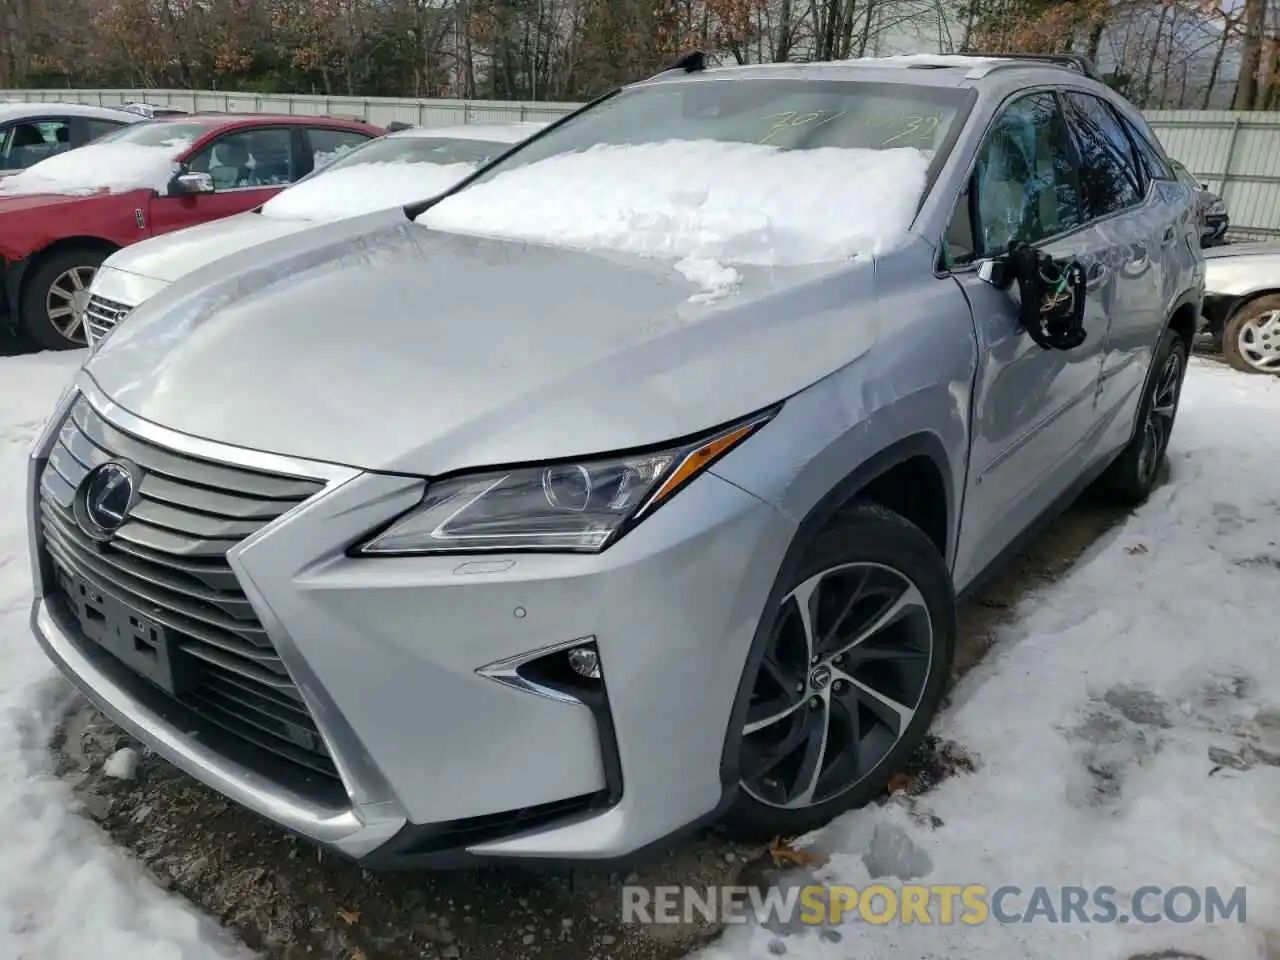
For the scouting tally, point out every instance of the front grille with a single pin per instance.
(101, 316)
(168, 564)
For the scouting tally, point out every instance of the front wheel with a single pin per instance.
(1133, 475)
(1251, 340)
(55, 295)
(854, 667)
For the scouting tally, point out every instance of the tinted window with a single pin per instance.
(328, 145)
(100, 128)
(793, 115)
(1153, 159)
(31, 141)
(1024, 186)
(261, 157)
(1108, 178)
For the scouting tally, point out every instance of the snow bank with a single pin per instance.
(113, 167)
(363, 188)
(707, 205)
(1093, 719)
(65, 892)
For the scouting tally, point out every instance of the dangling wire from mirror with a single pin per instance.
(1052, 294)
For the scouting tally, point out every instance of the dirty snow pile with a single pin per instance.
(707, 205)
(65, 894)
(111, 167)
(1125, 732)
(364, 188)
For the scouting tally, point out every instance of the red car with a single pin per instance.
(60, 218)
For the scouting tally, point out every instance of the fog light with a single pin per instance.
(585, 662)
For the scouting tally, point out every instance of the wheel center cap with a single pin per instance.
(820, 677)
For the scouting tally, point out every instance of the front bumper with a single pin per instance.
(439, 764)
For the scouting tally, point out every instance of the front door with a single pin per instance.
(248, 168)
(1033, 409)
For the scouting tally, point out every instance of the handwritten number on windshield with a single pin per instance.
(908, 127)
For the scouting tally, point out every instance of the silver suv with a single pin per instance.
(439, 544)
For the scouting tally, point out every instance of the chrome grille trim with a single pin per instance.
(169, 563)
(101, 316)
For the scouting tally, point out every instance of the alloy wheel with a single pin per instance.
(1159, 425)
(1259, 342)
(66, 301)
(842, 676)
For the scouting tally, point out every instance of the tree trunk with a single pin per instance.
(1250, 55)
(1216, 67)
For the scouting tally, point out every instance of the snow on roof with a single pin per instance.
(17, 109)
(112, 167)
(364, 188)
(707, 205)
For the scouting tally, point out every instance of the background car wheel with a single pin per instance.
(1133, 475)
(855, 664)
(1251, 340)
(54, 296)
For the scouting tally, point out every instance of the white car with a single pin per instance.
(31, 132)
(385, 173)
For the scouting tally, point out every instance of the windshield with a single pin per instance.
(149, 133)
(789, 114)
(710, 174)
(438, 150)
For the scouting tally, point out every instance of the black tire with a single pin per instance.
(869, 535)
(1248, 314)
(33, 304)
(1133, 475)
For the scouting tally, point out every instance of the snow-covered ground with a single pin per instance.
(65, 894)
(1091, 721)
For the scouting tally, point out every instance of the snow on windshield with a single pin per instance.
(364, 188)
(114, 167)
(708, 205)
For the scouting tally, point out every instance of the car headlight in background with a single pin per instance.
(577, 507)
(1218, 207)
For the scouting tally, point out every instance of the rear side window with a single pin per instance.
(1150, 155)
(96, 128)
(328, 145)
(1109, 179)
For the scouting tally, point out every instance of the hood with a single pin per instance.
(396, 347)
(172, 255)
(1242, 250)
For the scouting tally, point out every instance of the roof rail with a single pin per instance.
(1072, 61)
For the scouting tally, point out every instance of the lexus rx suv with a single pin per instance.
(629, 485)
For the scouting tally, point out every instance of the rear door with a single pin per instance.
(1140, 230)
(1033, 409)
(248, 166)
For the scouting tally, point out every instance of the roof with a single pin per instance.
(496, 132)
(216, 120)
(37, 108)
(939, 70)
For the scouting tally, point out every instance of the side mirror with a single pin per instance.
(190, 183)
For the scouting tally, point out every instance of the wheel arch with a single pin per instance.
(888, 478)
(32, 263)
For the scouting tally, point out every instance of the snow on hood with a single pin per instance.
(364, 188)
(113, 167)
(707, 205)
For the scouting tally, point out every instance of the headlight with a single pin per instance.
(1218, 206)
(577, 507)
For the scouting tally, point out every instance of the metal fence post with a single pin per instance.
(1231, 155)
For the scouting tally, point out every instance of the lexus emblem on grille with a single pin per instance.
(105, 497)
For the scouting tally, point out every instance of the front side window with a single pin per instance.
(1024, 187)
(96, 127)
(28, 142)
(247, 159)
(1108, 178)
